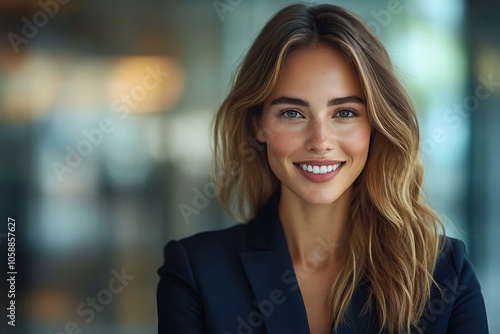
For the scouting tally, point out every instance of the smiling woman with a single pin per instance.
(335, 144)
(321, 143)
(317, 104)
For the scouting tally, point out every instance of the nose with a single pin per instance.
(320, 138)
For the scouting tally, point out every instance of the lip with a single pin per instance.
(319, 178)
(319, 162)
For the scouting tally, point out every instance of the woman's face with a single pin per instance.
(316, 126)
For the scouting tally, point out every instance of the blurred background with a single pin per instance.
(105, 111)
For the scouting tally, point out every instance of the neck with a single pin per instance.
(314, 230)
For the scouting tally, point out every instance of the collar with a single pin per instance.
(269, 269)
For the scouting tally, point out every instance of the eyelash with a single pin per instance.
(284, 112)
(352, 111)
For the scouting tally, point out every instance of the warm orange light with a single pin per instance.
(30, 88)
(145, 84)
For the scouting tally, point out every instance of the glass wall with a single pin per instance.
(105, 114)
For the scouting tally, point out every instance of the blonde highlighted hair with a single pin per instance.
(394, 242)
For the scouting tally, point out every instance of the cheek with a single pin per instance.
(280, 147)
(357, 143)
(271, 128)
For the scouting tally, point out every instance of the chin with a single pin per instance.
(320, 198)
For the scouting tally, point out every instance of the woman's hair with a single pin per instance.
(394, 241)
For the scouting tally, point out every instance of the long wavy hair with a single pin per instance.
(394, 241)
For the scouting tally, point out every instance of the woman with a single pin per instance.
(317, 146)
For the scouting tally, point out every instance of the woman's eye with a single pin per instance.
(291, 114)
(345, 113)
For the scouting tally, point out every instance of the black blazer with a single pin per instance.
(216, 282)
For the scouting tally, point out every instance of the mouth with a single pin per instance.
(320, 169)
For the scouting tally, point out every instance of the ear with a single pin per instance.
(257, 126)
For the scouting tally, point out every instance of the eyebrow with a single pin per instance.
(332, 102)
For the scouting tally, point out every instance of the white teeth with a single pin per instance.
(320, 169)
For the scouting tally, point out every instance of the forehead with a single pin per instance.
(319, 69)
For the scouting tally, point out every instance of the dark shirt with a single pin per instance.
(241, 280)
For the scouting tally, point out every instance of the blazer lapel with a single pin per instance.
(355, 320)
(269, 270)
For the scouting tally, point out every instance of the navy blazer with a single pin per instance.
(241, 280)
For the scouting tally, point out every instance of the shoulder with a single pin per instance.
(454, 272)
(457, 304)
(192, 274)
(206, 248)
(453, 262)
(452, 253)
(218, 240)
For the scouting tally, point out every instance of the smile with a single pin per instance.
(320, 169)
